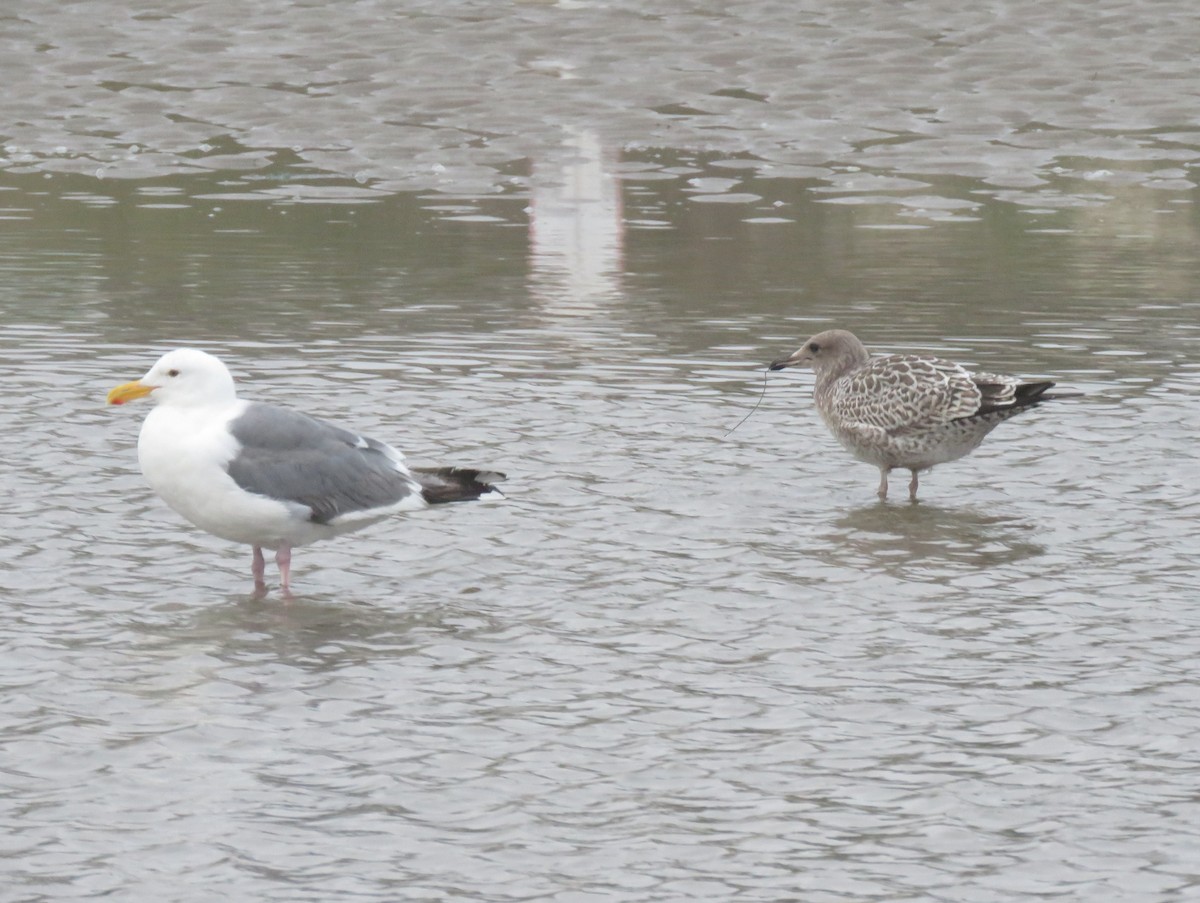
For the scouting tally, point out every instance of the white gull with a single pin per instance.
(268, 476)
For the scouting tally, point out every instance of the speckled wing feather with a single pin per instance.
(904, 392)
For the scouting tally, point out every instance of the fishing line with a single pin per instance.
(756, 404)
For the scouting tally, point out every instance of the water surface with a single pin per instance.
(675, 663)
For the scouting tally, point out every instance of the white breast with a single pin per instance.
(183, 452)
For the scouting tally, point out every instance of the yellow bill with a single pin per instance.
(128, 392)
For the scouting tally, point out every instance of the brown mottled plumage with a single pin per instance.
(907, 410)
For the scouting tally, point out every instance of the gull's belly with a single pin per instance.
(916, 450)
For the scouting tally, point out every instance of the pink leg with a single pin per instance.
(259, 569)
(912, 487)
(283, 558)
(883, 472)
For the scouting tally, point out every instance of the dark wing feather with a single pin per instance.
(1007, 393)
(455, 484)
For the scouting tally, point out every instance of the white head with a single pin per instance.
(186, 376)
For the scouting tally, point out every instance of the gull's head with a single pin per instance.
(183, 376)
(831, 351)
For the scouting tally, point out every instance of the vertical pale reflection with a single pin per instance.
(576, 229)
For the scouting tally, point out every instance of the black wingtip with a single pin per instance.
(1025, 397)
(1031, 394)
(456, 484)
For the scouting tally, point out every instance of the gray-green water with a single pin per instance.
(562, 240)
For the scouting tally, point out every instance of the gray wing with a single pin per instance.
(295, 458)
(905, 392)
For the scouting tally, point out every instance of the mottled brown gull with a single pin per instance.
(267, 476)
(907, 410)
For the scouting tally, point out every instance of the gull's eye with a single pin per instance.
(814, 347)
(172, 373)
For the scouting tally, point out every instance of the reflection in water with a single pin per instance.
(576, 229)
(315, 633)
(922, 541)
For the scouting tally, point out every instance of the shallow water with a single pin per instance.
(869, 95)
(675, 663)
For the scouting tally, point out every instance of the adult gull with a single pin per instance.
(907, 410)
(267, 476)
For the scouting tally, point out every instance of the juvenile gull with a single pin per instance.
(907, 410)
(268, 476)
